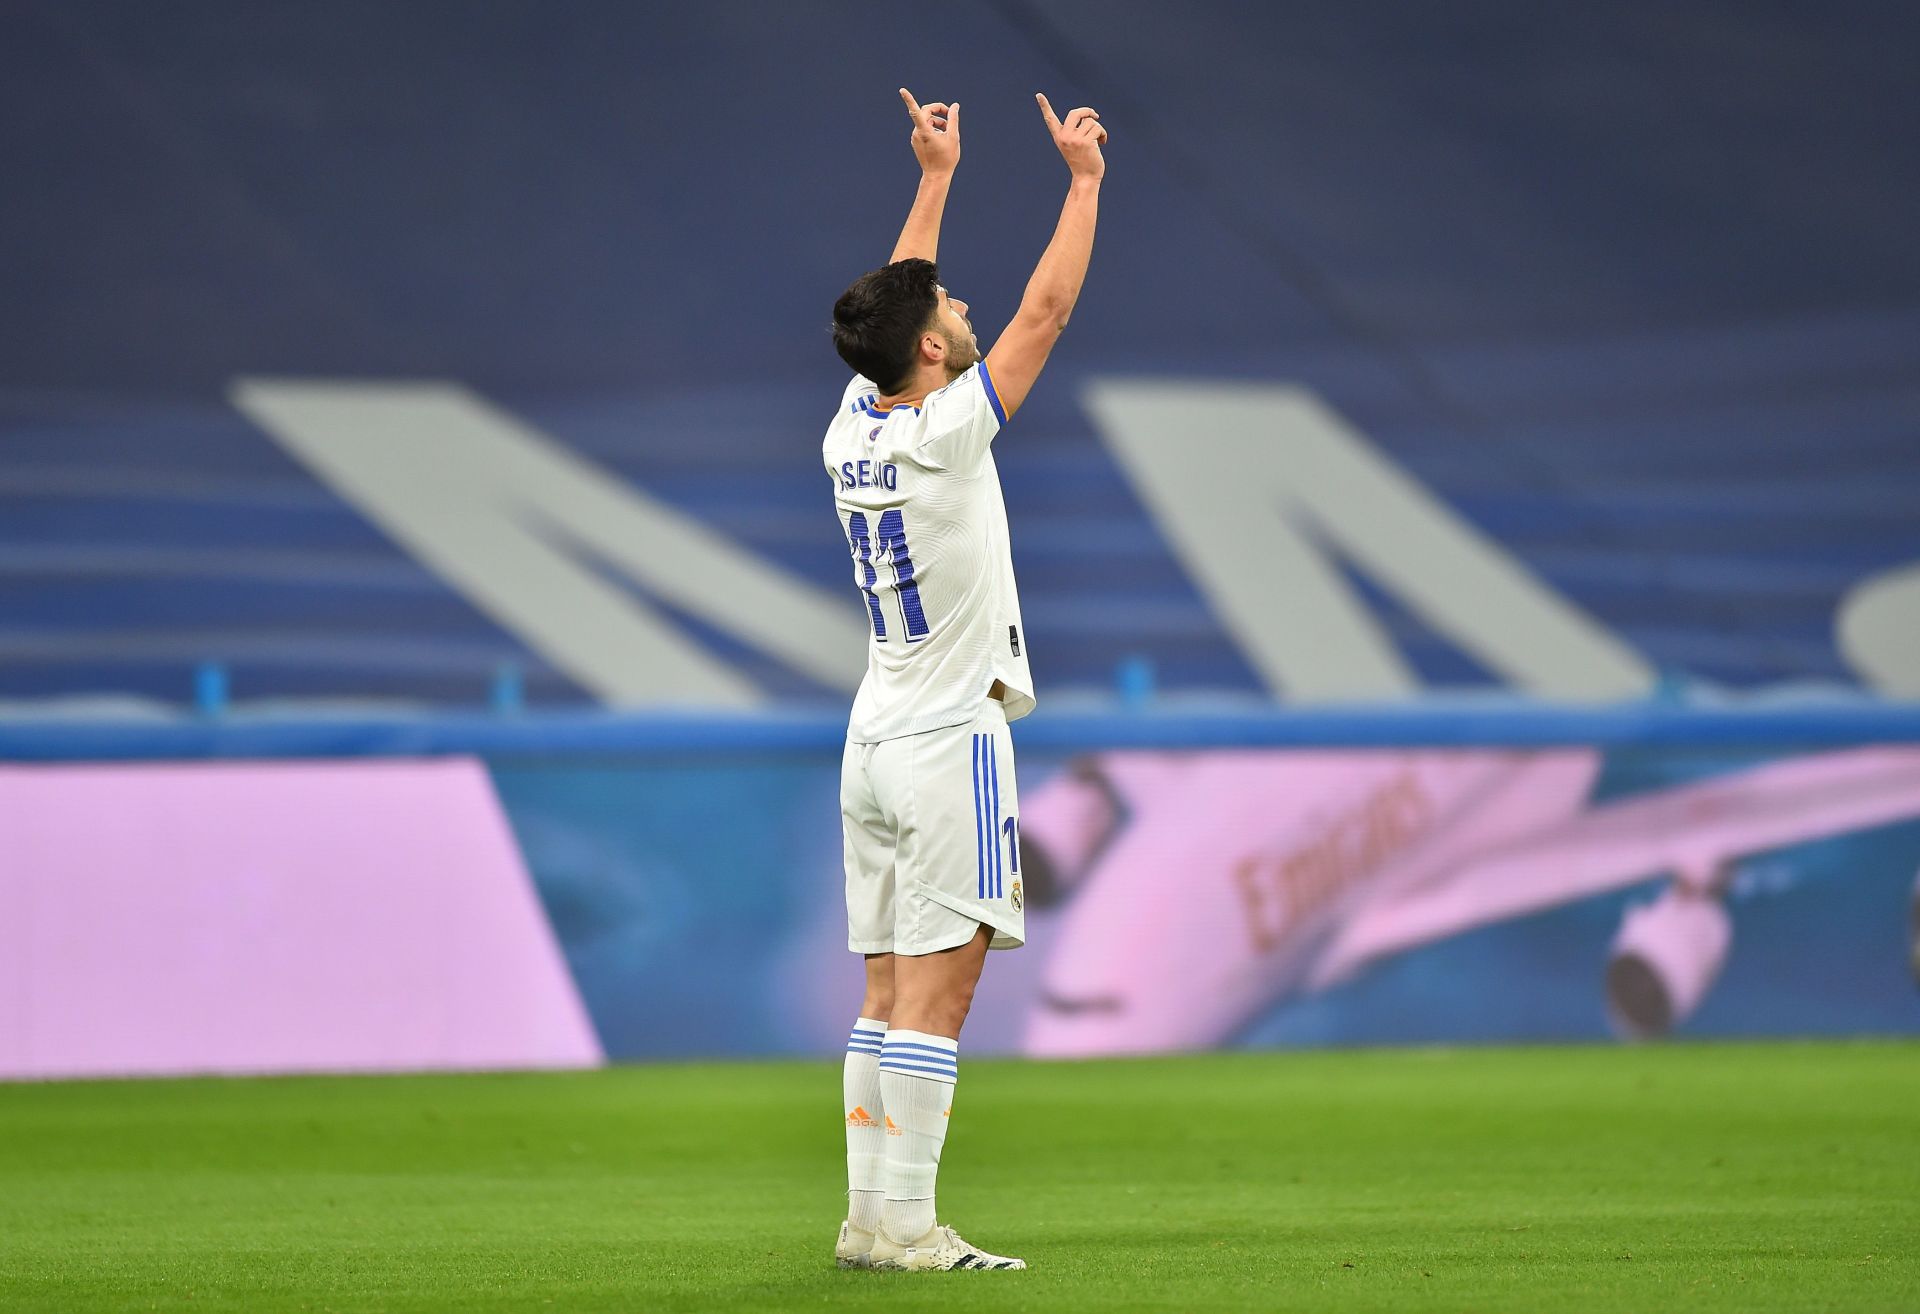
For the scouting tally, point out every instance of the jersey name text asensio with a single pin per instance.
(921, 511)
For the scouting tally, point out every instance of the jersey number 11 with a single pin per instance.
(889, 545)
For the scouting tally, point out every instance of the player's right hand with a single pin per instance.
(1079, 138)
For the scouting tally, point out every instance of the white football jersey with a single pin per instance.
(920, 508)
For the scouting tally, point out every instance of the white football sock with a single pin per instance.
(917, 1077)
(866, 1133)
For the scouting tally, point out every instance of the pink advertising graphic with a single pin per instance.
(272, 918)
(1201, 889)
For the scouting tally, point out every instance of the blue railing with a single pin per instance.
(677, 735)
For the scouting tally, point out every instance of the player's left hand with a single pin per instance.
(936, 133)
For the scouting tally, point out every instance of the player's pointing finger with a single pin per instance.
(913, 106)
(1046, 112)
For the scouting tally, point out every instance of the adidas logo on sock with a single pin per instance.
(893, 1128)
(861, 1118)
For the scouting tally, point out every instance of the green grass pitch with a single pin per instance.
(1694, 1177)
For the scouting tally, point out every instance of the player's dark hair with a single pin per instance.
(878, 321)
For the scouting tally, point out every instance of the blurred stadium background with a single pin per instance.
(1469, 535)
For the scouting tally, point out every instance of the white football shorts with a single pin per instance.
(931, 824)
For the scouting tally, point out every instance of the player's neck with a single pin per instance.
(926, 380)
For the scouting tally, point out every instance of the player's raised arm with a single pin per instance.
(1016, 359)
(936, 144)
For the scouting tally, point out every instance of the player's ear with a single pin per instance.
(933, 348)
